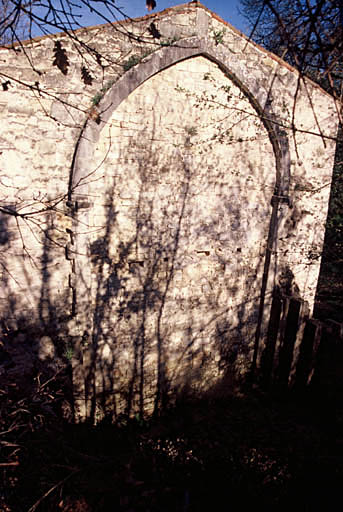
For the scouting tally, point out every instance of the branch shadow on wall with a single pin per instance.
(173, 313)
(173, 301)
(35, 370)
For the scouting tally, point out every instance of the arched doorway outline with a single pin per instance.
(258, 96)
(162, 59)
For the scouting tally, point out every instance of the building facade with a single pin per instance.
(155, 188)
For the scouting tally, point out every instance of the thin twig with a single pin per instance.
(52, 489)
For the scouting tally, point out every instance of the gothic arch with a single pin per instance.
(80, 191)
(158, 61)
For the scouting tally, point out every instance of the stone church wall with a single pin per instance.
(159, 189)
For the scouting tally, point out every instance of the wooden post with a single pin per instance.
(288, 342)
(268, 355)
(307, 353)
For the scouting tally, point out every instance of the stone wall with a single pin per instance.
(164, 186)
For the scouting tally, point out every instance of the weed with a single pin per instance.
(191, 130)
(226, 88)
(97, 98)
(68, 352)
(131, 62)
(208, 76)
(218, 36)
(169, 42)
(178, 88)
(134, 60)
(99, 95)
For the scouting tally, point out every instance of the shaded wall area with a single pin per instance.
(176, 262)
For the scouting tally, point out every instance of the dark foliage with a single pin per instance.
(61, 59)
(306, 34)
(86, 76)
(153, 30)
(150, 4)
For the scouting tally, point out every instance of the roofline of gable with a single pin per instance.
(180, 9)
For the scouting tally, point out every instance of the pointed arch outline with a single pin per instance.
(79, 193)
(162, 59)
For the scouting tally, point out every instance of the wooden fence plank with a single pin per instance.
(301, 351)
